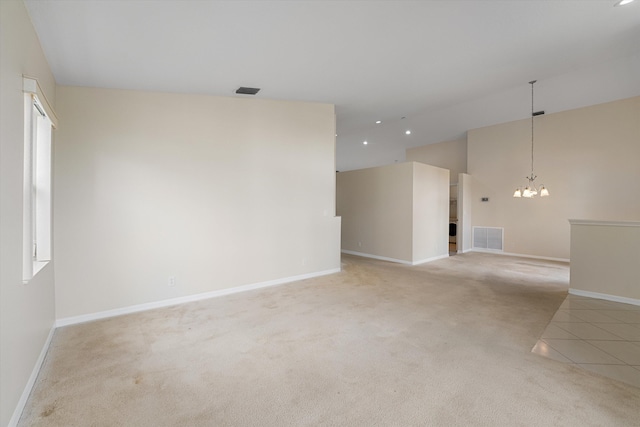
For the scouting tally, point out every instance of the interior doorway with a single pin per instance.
(453, 219)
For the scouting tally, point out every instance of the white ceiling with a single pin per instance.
(375, 60)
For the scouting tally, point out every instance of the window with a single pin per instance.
(37, 182)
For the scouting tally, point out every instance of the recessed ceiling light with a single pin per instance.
(407, 132)
(622, 2)
(378, 122)
(365, 142)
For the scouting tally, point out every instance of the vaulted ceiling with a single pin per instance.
(375, 60)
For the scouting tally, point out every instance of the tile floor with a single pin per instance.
(598, 335)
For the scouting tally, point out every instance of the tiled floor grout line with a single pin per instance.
(615, 340)
(621, 338)
(583, 363)
(597, 326)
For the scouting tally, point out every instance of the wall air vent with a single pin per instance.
(248, 90)
(491, 238)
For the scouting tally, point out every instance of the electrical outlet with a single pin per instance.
(359, 244)
(172, 281)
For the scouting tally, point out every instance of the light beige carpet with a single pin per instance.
(380, 344)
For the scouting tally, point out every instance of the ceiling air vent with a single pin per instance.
(248, 90)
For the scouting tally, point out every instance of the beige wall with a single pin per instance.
(587, 157)
(216, 192)
(465, 202)
(26, 311)
(398, 212)
(450, 155)
(605, 259)
(375, 205)
(430, 212)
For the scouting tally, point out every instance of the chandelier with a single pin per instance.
(530, 189)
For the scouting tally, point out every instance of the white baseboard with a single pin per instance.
(489, 251)
(381, 258)
(17, 413)
(399, 261)
(189, 298)
(607, 297)
(435, 258)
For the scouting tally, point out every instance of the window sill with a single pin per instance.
(37, 266)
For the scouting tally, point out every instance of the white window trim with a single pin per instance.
(31, 85)
(39, 121)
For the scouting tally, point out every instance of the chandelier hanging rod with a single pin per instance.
(530, 191)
